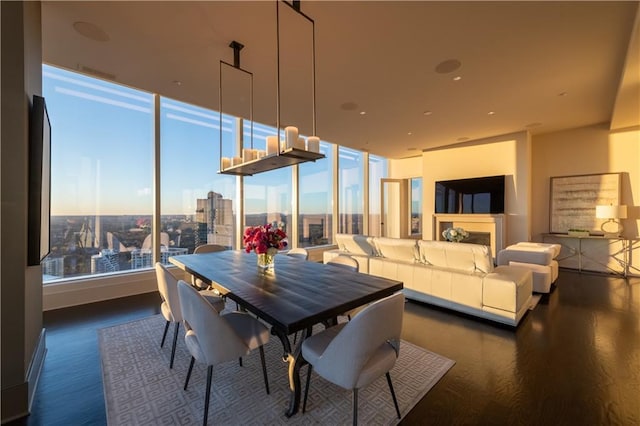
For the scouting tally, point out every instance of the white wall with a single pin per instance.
(588, 150)
(507, 155)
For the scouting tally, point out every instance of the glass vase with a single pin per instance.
(266, 262)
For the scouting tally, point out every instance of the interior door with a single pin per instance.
(394, 208)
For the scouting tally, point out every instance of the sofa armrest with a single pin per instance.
(508, 288)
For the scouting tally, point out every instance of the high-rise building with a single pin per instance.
(214, 218)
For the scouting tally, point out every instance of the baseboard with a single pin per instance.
(35, 368)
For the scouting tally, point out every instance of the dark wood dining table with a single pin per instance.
(295, 297)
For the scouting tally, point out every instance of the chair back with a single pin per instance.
(217, 341)
(168, 288)
(380, 323)
(298, 252)
(346, 262)
(209, 248)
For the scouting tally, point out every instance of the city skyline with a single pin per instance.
(102, 153)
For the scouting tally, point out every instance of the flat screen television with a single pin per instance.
(468, 196)
(39, 182)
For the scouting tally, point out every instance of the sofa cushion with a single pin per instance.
(357, 244)
(460, 256)
(554, 249)
(404, 250)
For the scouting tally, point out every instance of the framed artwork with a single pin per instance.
(574, 199)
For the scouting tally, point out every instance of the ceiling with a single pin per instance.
(384, 78)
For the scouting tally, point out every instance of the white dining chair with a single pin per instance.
(354, 354)
(346, 262)
(299, 252)
(213, 339)
(170, 307)
(205, 248)
(351, 264)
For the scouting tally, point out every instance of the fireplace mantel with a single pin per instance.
(494, 224)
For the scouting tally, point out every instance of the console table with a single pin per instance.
(592, 253)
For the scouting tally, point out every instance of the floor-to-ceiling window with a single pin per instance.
(101, 174)
(377, 171)
(103, 180)
(197, 203)
(315, 200)
(416, 206)
(350, 181)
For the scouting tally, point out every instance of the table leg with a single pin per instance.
(296, 362)
(284, 339)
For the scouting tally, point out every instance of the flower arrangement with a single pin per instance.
(265, 239)
(455, 234)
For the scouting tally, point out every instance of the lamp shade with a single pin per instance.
(611, 212)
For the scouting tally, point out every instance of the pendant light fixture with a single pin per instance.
(285, 148)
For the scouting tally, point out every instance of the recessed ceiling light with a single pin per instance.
(491, 113)
(427, 113)
(562, 94)
(363, 112)
(409, 133)
(177, 82)
(90, 31)
(457, 78)
(450, 65)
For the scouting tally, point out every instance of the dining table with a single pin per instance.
(294, 297)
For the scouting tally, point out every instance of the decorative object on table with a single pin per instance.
(265, 240)
(575, 232)
(611, 227)
(455, 235)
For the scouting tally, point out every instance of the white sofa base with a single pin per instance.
(497, 315)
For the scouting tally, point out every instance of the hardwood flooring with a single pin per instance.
(573, 360)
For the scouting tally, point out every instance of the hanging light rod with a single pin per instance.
(237, 47)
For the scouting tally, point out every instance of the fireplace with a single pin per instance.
(486, 229)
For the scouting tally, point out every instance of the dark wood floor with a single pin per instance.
(574, 360)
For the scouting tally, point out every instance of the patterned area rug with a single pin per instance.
(140, 389)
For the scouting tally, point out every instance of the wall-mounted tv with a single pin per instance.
(39, 181)
(468, 196)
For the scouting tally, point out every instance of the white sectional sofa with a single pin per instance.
(453, 275)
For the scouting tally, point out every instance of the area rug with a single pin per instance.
(140, 389)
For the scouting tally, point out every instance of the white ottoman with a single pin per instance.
(538, 257)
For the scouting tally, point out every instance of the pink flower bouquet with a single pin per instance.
(262, 238)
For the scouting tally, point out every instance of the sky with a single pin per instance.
(102, 155)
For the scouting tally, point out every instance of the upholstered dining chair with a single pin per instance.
(213, 339)
(299, 252)
(351, 264)
(354, 354)
(205, 248)
(346, 262)
(170, 308)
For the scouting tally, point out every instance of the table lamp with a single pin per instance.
(611, 226)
